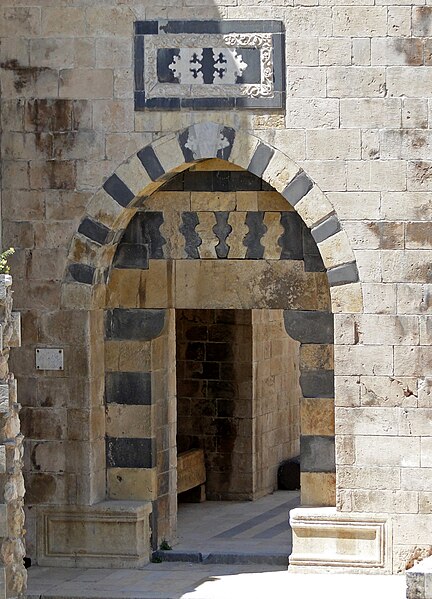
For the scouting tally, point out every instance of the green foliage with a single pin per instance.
(156, 559)
(4, 266)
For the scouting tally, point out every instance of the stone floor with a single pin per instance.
(233, 533)
(200, 581)
(227, 530)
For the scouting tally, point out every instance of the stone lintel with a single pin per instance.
(110, 534)
(327, 540)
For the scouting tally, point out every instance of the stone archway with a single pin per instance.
(100, 231)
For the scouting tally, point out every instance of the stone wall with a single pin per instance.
(13, 576)
(349, 148)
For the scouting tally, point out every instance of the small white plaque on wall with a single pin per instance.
(49, 359)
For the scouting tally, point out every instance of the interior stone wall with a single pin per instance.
(215, 397)
(277, 398)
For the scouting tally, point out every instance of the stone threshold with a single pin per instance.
(220, 557)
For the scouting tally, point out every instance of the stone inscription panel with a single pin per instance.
(209, 65)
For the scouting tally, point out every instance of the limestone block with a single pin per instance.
(334, 51)
(367, 421)
(340, 144)
(347, 298)
(388, 391)
(372, 359)
(129, 421)
(410, 360)
(132, 484)
(361, 81)
(112, 534)
(280, 171)
(370, 113)
(360, 21)
(408, 82)
(243, 149)
(379, 298)
(426, 452)
(213, 201)
(369, 477)
(314, 207)
(317, 416)
(306, 82)
(313, 113)
(63, 21)
(4, 399)
(361, 51)
(86, 83)
(355, 540)
(390, 451)
(336, 250)
(373, 329)
(318, 488)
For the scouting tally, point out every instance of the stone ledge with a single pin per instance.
(327, 540)
(419, 580)
(110, 534)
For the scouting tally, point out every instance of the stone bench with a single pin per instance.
(191, 475)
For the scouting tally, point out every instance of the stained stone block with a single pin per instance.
(134, 324)
(309, 326)
(130, 388)
(317, 454)
(130, 453)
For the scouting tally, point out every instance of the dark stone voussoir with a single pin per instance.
(82, 273)
(260, 160)
(343, 274)
(118, 190)
(297, 188)
(151, 163)
(326, 229)
(95, 231)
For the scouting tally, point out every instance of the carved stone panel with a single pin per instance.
(209, 65)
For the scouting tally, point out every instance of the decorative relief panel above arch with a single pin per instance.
(209, 64)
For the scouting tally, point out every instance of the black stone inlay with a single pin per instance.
(260, 160)
(252, 240)
(131, 255)
(93, 230)
(187, 153)
(129, 388)
(222, 229)
(342, 275)
(317, 454)
(118, 190)
(244, 26)
(130, 453)
(146, 27)
(151, 235)
(139, 63)
(151, 163)
(326, 229)
(158, 103)
(317, 383)
(192, 239)
(134, 324)
(297, 189)
(83, 273)
(309, 326)
(221, 181)
(216, 180)
(229, 134)
(207, 65)
(252, 57)
(291, 239)
(165, 57)
(313, 263)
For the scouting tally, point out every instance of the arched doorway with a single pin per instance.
(96, 245)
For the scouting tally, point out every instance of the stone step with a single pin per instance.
(220, 557)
